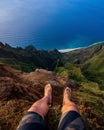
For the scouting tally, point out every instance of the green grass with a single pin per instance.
(93, 69)
(91, 104)
(89, 96)
(95, 95)
(71, 71)
(17, 65)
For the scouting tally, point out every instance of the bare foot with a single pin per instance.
(67, 94)
(48, 93)
(68, 105)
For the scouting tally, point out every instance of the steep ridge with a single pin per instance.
(90, 60)
(80, 56)
(29, 58)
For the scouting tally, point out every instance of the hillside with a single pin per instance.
(94, 68)
(90, 60)
(82, 70)
(80, 56)
(19, 90)
(29, 58)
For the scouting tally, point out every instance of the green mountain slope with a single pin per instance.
(80, 56)
(94, 68)
(90, 60)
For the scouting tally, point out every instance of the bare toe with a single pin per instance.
(48, 93)
(67, 93)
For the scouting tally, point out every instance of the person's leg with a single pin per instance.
(42, 106)
(34, 118)
(71, 118)
(68, 105)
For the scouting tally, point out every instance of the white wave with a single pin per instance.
(67, 50)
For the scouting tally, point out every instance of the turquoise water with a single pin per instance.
(47, 24)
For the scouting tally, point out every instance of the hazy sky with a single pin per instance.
(51, 23)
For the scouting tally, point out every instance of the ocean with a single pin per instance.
(61, 24)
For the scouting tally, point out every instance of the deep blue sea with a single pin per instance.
(47, 24)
